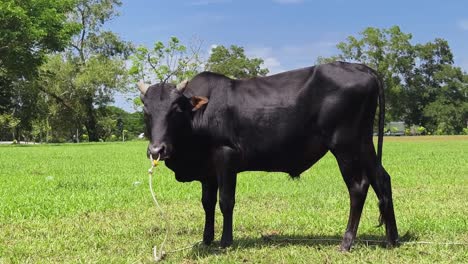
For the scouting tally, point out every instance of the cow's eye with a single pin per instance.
(176, 108)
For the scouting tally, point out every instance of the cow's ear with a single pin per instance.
(198, 102)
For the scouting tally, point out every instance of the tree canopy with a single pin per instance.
(29, 30)
(85, 76)
(423, 86)
(234, 63)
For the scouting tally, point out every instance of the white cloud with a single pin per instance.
(463, 24)
(212, 46)
(270, 61)
(288, 1)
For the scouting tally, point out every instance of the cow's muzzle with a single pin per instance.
(158, 151)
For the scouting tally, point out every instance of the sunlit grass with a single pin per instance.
(91, 203)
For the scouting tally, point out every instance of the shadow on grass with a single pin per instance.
(280, 240)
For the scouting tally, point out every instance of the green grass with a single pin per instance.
(91, 203)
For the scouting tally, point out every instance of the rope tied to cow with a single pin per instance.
(157, 256)
(161, 254)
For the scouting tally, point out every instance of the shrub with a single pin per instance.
(421, 130)
(84, 137)
(407, 132)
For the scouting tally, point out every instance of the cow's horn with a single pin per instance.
(181, 86)
(143, 87)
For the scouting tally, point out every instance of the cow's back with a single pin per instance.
(285, 121)
(300, 113)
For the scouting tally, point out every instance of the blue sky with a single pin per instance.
(289, 34)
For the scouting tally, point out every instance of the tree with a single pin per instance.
(166, 62)
(85, 77)
(8, 122)
(29, 30)
(417, 77)
(448, 112)
(390, 53)
(422, 88)
(234, 63)
(116, 121)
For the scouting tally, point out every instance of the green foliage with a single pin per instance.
(422, 85)
(84, 137)
(40, 130)
(85, 77)
(131, 124)
(105, 127)
(448, 112)
(388, 51)
(8, 123)
(29, 29)
(421, 130)
(407, 132)
(165, 62)
(234, 63)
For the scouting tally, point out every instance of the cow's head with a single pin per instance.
(168, 116)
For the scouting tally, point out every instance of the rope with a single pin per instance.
(157, 257)
(162, 254)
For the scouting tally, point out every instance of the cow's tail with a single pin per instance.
(381, 121)
(380, 170)
(383, 182)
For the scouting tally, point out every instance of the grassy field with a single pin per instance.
(90, 203)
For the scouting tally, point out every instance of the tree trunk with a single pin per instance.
(91, 123)
(47, 130)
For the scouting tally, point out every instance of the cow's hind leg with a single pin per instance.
(355, 176)
(380, 182)
(382, 187)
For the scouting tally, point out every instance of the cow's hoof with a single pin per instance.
(347, 242)
(344, 248)
(346, 245)
(225, 243)
(392, 243)
(208, 239)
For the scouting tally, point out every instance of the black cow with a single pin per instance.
(213, 127)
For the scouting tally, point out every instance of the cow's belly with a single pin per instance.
(292, 156)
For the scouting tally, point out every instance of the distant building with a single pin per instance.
(395, 129)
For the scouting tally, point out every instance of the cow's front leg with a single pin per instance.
(209, 191)
(225, 168)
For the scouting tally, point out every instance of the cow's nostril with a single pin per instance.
(159, 150)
